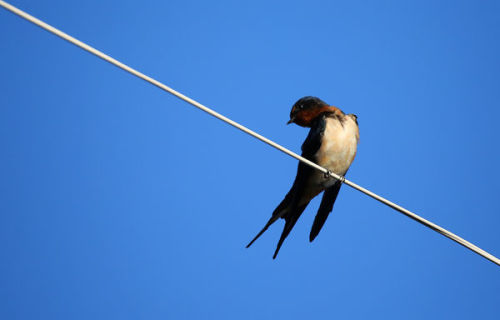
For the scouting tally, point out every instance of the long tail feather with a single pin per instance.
(280, 210)
(291, 218)
(270, 222)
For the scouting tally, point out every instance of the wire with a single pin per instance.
(160, 85)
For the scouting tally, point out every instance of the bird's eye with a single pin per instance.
(301, 107)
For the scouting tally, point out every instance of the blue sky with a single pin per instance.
(119, 201)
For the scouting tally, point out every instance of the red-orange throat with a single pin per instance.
(305, 118)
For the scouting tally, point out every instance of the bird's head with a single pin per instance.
(306, 109)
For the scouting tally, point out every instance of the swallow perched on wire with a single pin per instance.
(331, 143)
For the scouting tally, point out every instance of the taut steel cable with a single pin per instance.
(138, 74)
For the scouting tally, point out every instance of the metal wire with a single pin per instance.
(138, 74)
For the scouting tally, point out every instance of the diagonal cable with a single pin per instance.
(198, 105)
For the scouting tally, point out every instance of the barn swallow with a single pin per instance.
(331, 143)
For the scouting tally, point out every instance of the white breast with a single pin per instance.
(339, 145)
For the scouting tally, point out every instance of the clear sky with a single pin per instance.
(119, 201)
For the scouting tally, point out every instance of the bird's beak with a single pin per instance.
(292, 119)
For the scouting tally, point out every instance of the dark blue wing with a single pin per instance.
(326, 206)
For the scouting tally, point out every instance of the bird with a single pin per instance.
(331, 143)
